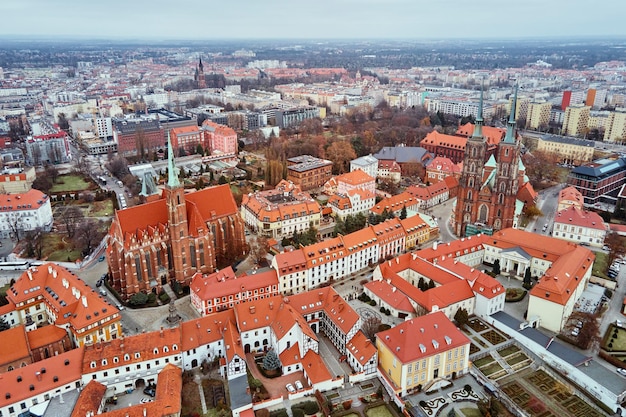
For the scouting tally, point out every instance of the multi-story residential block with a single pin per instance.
(293, 117)
(351, 203)
(522, 105)
(616, 126)
(280, 212)
(24, 212)
(134, 136)
(17, 180)
(185, 140)
(538, 115)
(367, 164)
(598, 181)
(50, 294)
(308, 172)
(222, 290)
(52, 148)
(390, 237)
(219, 139)
(580, 226)
(104, 128)
(576, 120)
(389, 170)
(567, 149)
(420, 350)
(568, 197)
(28, 386)
(362, 354)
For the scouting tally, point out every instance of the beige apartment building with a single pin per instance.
(616, 126)
(538, 115)
(576, 121)
(568, 149)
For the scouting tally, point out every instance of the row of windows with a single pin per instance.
(137, 355)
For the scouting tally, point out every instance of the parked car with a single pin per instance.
(299, 385)
(103, 292)
(621, 371)
(150, 390)
(290, 388)
(146, 400)
(618, 323)
(99, 282)
(605, 247)
(102, 258)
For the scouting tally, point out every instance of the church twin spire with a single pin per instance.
(510, 128)
(478, 126)
(172, 171)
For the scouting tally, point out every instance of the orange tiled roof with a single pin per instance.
(582, 218)
(435, 138)
(571, 194)
(139, 348)
(43, 376)
(493, 134)
(361, 348)
(290, 356)
(422, 337)
(232, 342)
(395, 203)
(357, 177)
(30, 200)
(70, 299)
(44, 336)
(390, 295)
(90, 399)
(224, 283)
(314, 367)
(17, 348)
(205, 330)
(328, 300)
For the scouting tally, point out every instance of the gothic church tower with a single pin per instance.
(177, 221)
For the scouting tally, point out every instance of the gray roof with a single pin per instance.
(521, 252)
(601, 168)
(568, 140)
(306, 162)
(404, 154)
(237, 390)
(365, 160)
(128, 127)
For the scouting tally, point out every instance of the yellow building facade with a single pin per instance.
(576, 120)
(538, 115)
(615, 130)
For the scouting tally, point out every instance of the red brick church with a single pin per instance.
(174, 237)
(488, 188)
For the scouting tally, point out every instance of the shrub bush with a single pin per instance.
(310, 407)
(279, 413)
(297, 412)
(151, 298)
(164, 297)
(382, 310)
(372, 303)
(138, 299)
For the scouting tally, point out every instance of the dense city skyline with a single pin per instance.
(325, 19)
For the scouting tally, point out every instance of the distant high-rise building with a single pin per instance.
(591, 97)
(576, 120)
(616, 126)
(538, 115)
(567, 98)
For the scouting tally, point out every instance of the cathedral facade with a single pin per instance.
(487, 199)
(170, 239)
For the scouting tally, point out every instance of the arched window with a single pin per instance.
(473, 152)
(469, 195)
(497, 224)
(470, 182)
(499, 213)
(472, 167)
(466, 218)
(501, 199)
(502, 187)
(483, 213)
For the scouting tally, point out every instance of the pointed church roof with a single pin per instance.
(490, 182)
(510, 128)
(491, 163)
(521, 166)
(172, 171)
(478, 127)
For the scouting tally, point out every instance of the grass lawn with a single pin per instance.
(471, 412)
(70, 182)
(491, 369)
(100, 209)
(484, 361)
(520, 357)
(57, 250)
(600, 265)
(619, 343)
(508, 351)
(380, 411)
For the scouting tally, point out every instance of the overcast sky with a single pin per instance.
(288, 19)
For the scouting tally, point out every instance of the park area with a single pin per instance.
(614, 345)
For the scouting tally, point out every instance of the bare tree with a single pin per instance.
(88, 234)
(14, 220)
(258, 248)
(71, 216)
(118, 166)
(370, 327)
(34, 243)
(52, 172)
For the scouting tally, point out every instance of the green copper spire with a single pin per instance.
(478, 126)
(172, 171)
(510, 128)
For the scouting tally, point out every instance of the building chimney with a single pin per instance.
(252, 309)
(161, 332)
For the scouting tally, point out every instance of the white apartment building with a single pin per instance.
(24, 212)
